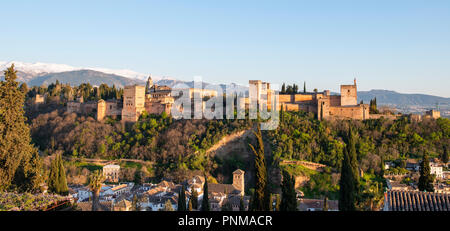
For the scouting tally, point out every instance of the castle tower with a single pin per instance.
(239, 180)
(101, 110)
(133, 103)
(149, 85)
(349, 96)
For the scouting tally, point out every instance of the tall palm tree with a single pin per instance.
(95, 185)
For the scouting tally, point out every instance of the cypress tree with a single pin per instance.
(62, 182)
(382, 168)
(288, 194)
(281, 113)
(277, 202)
(205, 201)
(425, 179)
(283, 88)
(260, 199)
(57, 177)
(349, 182)
(444, 157)
(304, 87)
(271, 203)
(53, 176)
(194, 199)
(20, 164)
(168, 206)
(347, 193)
(182, 199)
(325, 204)
(190, 205)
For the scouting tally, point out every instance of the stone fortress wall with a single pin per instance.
(324, 105)
(155, 99)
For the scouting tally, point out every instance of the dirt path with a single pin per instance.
(103, 162)
(224, 147)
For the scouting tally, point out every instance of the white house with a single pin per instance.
(436, 169)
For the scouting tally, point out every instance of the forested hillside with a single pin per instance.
(175, 146)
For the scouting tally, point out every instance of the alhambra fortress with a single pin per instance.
(155, 99)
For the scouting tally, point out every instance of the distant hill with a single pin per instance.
(385, 97)
(78, 77)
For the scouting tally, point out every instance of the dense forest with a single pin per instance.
(173, 145)
(302, 137)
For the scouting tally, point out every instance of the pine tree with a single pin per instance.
(194, 199)
(349, 182)
(182, 199)
(205, 201)
(288, 194)
(260, 199)
(425, 179)
(20, 164)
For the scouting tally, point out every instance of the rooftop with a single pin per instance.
(416, 201)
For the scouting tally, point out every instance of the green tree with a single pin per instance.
(241, 204)
(205, 201)
(182, 199)
(260, 199)
(349, 182)
(95, 185)
(283, 88)
(23, 88)
(168, 206)
(373, 106)
(325, 204)
(20, 164)
(288, 194)
(190, 205)
(194, 199)
(444, 156)
(304, 87)
(57, 182)
(278, 202)
(135, 203)
(425, 178)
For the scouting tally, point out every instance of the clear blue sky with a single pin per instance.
(397, 45)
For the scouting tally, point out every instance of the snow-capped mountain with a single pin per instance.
(37, 74)
(36, 69)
